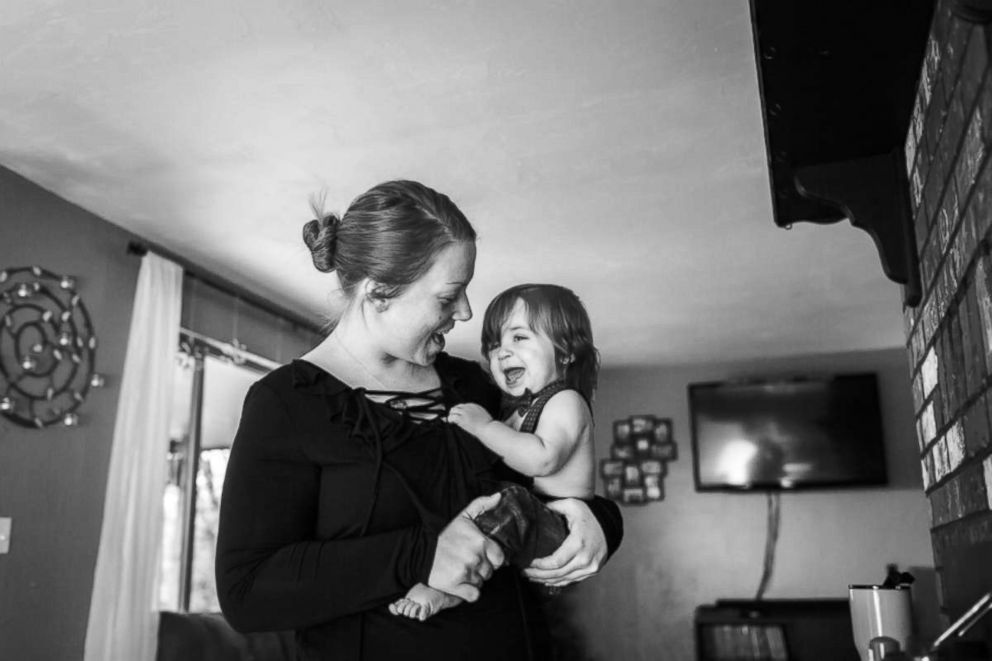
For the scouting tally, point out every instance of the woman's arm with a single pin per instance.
(607, 514)
(272, 573)
(595, 531)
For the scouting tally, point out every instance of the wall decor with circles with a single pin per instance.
(47, 348)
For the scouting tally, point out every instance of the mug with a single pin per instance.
(880, 611)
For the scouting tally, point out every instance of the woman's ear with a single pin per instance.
(374, 294)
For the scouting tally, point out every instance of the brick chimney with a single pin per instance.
(949, 336)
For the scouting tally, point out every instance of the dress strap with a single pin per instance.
(533, 412)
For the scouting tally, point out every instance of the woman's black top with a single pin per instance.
(332, 505)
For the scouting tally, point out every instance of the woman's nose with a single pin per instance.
(463, 309)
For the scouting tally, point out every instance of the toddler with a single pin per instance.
(538, 341)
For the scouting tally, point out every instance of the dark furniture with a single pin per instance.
(775, 630)
(207, 636)
(838, 81)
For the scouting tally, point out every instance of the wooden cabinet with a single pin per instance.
(775, 630)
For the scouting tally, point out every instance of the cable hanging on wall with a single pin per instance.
(47, 348)
(771, 540)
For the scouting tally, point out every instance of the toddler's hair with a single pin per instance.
(558, 313)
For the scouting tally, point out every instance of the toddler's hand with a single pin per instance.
(470, 417)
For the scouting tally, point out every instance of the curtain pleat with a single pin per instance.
(123, 618)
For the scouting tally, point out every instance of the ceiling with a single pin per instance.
(615, 148)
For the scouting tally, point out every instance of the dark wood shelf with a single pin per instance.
(775, 630)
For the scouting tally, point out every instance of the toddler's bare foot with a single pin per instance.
(422, 601)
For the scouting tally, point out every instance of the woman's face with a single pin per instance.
(412, 325)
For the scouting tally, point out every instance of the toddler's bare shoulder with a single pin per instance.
(568, 404)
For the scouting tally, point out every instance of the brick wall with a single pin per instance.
(949, 336)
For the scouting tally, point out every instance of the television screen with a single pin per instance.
(787, 434)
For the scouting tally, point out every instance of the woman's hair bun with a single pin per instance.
(320, 235)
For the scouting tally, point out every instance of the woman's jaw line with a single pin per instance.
(436, 341)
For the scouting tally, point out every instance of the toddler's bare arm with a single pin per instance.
(564, 422)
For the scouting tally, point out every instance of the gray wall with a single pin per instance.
(693, 548)
(52, 481)
(688, 550)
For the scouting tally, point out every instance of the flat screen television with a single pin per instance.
(777, 434)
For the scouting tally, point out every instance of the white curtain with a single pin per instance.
(123, 622)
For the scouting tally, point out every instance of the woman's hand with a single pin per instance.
(581, 554)
(470, 417)
(465, 558)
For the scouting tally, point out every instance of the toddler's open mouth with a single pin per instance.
(513, 375)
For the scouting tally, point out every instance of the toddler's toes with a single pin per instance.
(408, 608)
(412, 607)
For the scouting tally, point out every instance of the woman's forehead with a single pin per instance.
(453, 266)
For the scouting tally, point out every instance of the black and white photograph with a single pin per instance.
(379, 330)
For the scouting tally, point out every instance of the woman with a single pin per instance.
(345, 485)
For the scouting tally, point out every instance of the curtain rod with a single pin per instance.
(143, 247)
(226, 349)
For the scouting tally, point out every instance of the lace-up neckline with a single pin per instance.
(418, 406)
(377, 426)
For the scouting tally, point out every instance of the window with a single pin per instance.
(210, 384)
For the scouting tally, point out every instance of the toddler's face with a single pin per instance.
(525, 358)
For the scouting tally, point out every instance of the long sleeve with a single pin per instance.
(607, 513)
(272, 571)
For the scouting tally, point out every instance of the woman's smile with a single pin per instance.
(438, 338)
(413, 324)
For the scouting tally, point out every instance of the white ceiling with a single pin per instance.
(616, 148)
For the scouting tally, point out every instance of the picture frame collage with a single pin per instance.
(642, 447)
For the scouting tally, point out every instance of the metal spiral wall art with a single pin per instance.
(47, 348)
